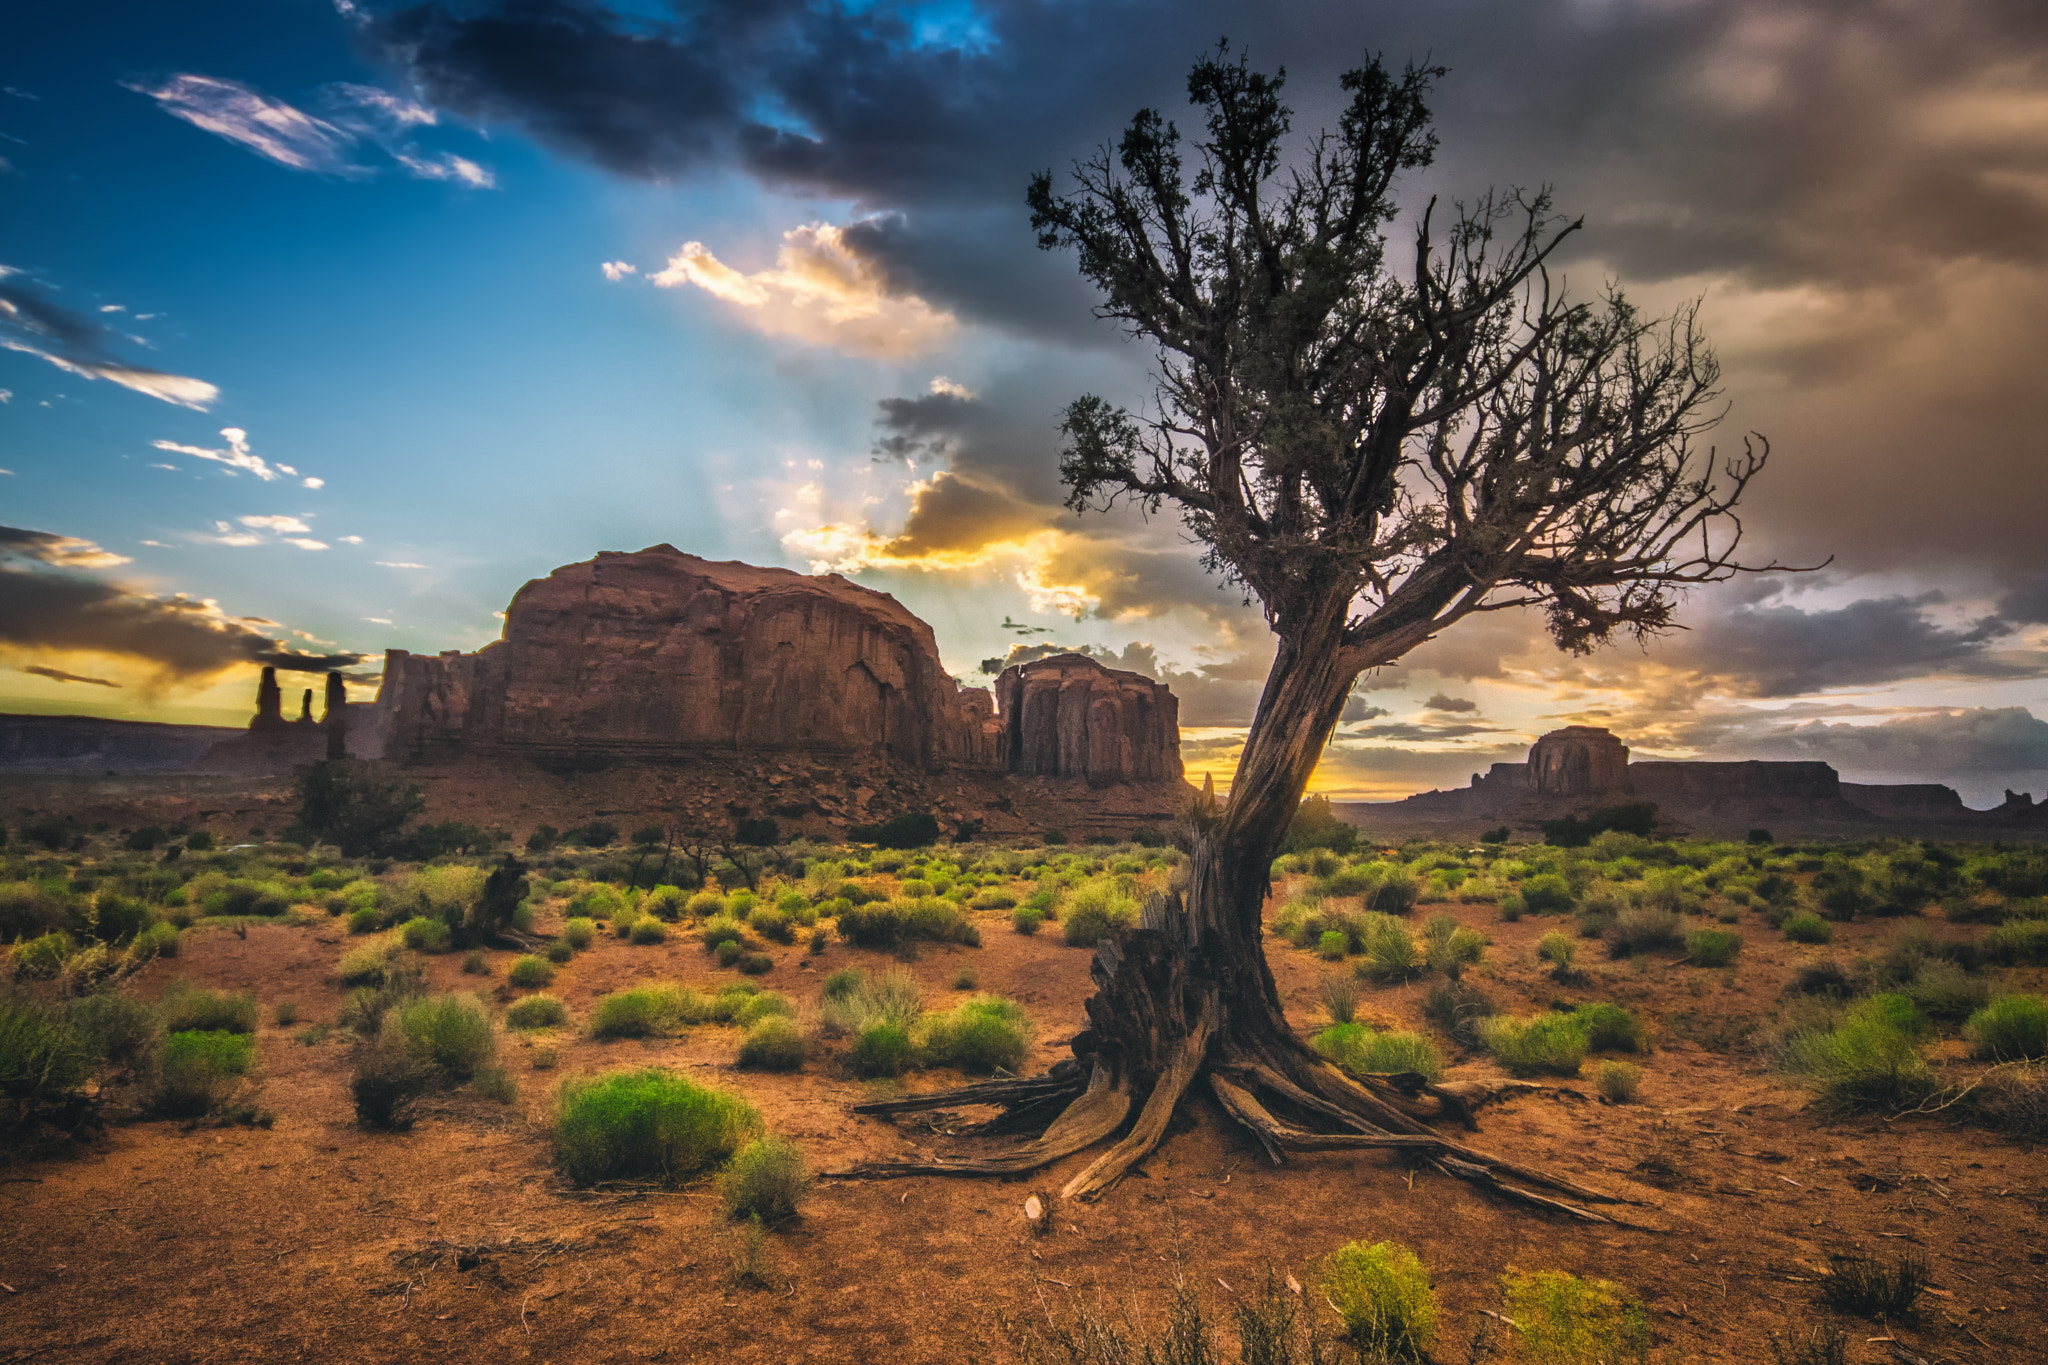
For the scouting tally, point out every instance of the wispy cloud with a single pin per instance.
(818, 291)
(59, 675)
(618, 270)
(33, 324)
(359, 117)
(62, 552)
(398, 564)
(238, 456)
(288, 530)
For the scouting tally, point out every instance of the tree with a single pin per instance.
(357, 806)
(1374, 447)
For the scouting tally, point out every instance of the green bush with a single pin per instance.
(1806, 927)
(1611, 1028)
(1389, 948)
(1382, 1294)
(773, 1043)
(1618, 1082)
(666, 902)
(2011, 1027)
(1333, 945)
(41, 958)
(979, 1035)
(1561, 1319)
(495, 1083)
(843, 983)
(748, 1009)
(424, 935)
(639, 1012)
(158, 940)
(646, 1123)
(365, 966)
(365, 921)
(475, 963)
(765, 1179)
(1552, 1044)
(1558, 950)
(200, 1068)
(578, 931)
(1458, 1010)
(1547, 894)
(1449, 949)
(450, 1032)
(189, 1008)
(1026, 922)
(1869, 1062)
(386, 1082)
(648, 931)
(1644, 929)
(1094, 913)
(887, 924)
(1712, 947)
(1944, 991)
(2021, 942)
(42, 1058)
(537, 1011)
(881, 1049)
(530, 973)
(1365, 1050)
(121, 1030)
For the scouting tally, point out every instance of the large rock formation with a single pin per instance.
(273, 744)
(1579, 760)
(661, 654)
(1069, 716)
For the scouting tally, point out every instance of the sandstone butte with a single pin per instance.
(663, 657)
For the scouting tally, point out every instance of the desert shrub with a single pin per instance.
(2014, 1097)
(730, 952)
(646, 1123)
(881, 1049)
(1552, 1044)
(854, 1002)
(1458, 1010)
(887, 924)
(449, 1032)
(771, 923)
(765, 1179)
(1511, 906)
(1561, 1319)
(158, 940)
(665, 902)
(1558, 950)
(1618, 1082)
(967, 978)
(1359, 1048)
(1712, 947)
(42, 1057)
(745, 1006)
(495, 1083)
(1884, 1288)
(187, 1008)
(1026, 921)
(773, 1043)
(475, 963)
(530, 973)
(980, 1035)
(120, 1030)
(1382, 1294)
(640, 1012)
(365, 921)
(1547, 894)
(30, 910)
(1867, 1062)
(1611, 1028)
(1390, 952)
(993, 900)
(1806, 927)
(843, 983)
(312, 1035)
(40, 958)
(1822, 978)
(2010, 1028)
(755, 964)
(1449, 949)
(1340, 997)
(1944, 991)
(537, 1011)
(1094, 912)
(365, 966)
(200, 1068)
(1333, 945)
(424, 935)
(2018, 943)
(1644, 929)
(286, 1013)
(578, 931)
(648, 931)
(386, 1082)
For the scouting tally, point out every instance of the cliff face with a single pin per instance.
(658, 654)
(1682, 784)
(1579, 760)
(1068, 716)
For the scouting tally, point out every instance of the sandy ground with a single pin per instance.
(314, 1240)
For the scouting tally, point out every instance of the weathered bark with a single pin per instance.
(1189, 995)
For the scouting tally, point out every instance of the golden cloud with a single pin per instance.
(819, 291)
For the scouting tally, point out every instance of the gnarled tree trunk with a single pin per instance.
(1187, 999)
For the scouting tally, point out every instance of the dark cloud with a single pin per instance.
(34, 324)
(1414, 732)
(1780, 650)
(1357, 708)
(1936, 746)
(46, 611)
(59, 675)
(1440, 702)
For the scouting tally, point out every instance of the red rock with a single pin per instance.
(1068, 716)
(1579, 760)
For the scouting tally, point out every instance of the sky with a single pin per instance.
(325, 324)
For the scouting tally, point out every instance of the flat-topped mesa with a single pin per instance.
(1579, 760)
(1069, 716)
(659, 654)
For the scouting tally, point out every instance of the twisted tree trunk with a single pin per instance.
(1187, 998)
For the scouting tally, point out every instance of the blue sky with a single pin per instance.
(375, 240)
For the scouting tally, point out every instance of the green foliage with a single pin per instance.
(1448, 948)
(666, 902)
(1573, 831)
(1561, 1319)
(1618, 1082)
(773, 1043)
(1334, 944)
(200, 1068)
(1549, 1044)
(1558, 950)
(2018, 943)
(888, 924)
(1458, 1010)
(1806, 927)
(646, 1123)
(881, 1049)
(530, 973)
(1547, 894)
(30, 909)
(1381, 1292)
(1365, 1050)
(1027, 922)
(1611, 1028)
(1389, 948)
(449, 1032)
(1315, 825)
(358, 806)
(41, 958)
(121, 1030)
(186, 1007)
(1868, 1062)
(640, 1012)
(386, 1083)
(424, 935)
(1340, 997)
(765, 1179)
(648, 930)
(1644, 929)
(578, 931)
(495, 1083)
(537, 1011)
(1712, 947)
(981, 1035)
(365, 921)
(42, 1057)
(560, 952)
(2011, 1027)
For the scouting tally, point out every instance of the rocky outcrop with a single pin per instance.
(1069, 716)
(1579, 760)
(1692, 784)
(273, 744)
(660, 655)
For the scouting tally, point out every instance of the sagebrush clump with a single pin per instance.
(647, 1123)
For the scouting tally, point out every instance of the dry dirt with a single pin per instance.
(314, 1240)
